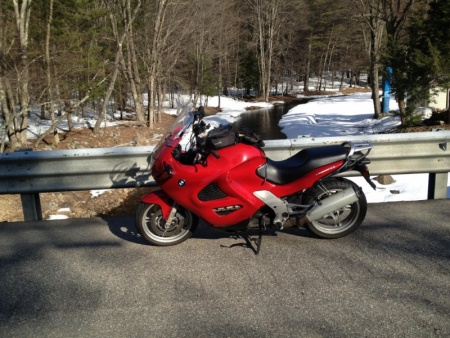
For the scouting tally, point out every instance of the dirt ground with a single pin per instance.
(117, 201)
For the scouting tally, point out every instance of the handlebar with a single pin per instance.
(215, 154)
(202, 144)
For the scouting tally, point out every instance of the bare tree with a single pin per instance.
(161, 32)
(267, 23)
(167, 27)
(51, 102)
(5, 113)
(117, 62)
(226, 42)
(22, 11)
(126, 11)
(370, 13)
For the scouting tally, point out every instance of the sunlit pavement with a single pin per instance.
(95, 277)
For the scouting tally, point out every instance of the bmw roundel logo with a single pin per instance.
(181, 183)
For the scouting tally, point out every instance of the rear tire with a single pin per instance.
(150, 224)
(341, 222)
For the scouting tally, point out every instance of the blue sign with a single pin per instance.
(387, 81)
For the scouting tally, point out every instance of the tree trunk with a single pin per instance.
(341, 84)
(160, 90)
(22, 16)
(402, 108)
(376, 35)
(130, 63)
(154, 53)
(51, 104)
(112, 83)
(151, 101)
(134, 79)
(69, 109)
(375, 90)
(108, 94)
(371, 14)
(267, 21)
(307, 67)
(4, 114)
(10, 114)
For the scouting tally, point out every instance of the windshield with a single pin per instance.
(179, 127)
(184, 119)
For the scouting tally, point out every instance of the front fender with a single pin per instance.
(160, 198)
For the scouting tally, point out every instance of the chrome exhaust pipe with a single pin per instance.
(330, 204)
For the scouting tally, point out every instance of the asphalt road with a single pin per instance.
(96, 278)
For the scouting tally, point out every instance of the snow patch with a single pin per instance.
(96, 193)
(64, 210)
(55, 217)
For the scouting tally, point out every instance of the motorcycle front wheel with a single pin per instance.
(151, 225)
(341, 222)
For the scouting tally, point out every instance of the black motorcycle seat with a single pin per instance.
(298, 165)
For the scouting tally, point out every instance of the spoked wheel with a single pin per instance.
(151, 225)
(341, 222)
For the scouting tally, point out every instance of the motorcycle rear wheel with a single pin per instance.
(151, 225)
(341, 222)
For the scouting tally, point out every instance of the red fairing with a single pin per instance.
(160, 198)
(234, 173)
(221, 190)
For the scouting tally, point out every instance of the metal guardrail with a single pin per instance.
(75, 169)
(406, 153)
(32, 172)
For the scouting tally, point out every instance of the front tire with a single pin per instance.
(151, 225)
(341, 222)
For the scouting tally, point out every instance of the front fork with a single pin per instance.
(168, 206)
(171, 216)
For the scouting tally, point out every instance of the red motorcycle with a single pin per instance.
(225, 178)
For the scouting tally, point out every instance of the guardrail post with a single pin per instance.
(31, 206)
(437, 185)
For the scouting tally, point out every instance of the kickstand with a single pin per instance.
(257, 241)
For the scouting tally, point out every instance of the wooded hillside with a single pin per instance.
(66, 55)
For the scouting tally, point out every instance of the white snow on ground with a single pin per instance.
(96, 193)
(52, 217)
(336, 116)
(353, 115)
(412, 187)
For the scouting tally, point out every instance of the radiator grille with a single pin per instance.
(211, 192)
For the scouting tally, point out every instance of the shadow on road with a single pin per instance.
(123, 227)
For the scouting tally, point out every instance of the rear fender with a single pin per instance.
(160, 198)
